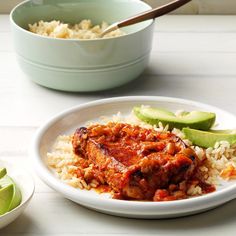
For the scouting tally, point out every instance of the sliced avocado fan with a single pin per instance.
(194, 119)
(209, 138)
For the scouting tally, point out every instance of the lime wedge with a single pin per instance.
(16, 200)
(13, 200)
(6, 194)
(3, 172)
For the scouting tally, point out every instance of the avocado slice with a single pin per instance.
(10, 194)
(209, 138)
(194, 119)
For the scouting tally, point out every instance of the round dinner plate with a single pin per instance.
(67, 121)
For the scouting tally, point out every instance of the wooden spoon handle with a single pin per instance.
(153, 13)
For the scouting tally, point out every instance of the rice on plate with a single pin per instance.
(217, 163)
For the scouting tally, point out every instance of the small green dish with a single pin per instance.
(81, 65)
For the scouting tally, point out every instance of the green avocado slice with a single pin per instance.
(194, 119)
(209, 138)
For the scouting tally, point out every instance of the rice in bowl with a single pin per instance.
(83, 30)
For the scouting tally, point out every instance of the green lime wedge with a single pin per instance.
(6, 194)
(17, 197)
(3, 172)
(13, 200)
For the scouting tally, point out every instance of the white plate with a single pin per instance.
(25, 183)
(66, 123)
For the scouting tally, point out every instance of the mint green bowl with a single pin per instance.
(81, 65)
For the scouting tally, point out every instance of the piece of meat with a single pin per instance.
(136, 161)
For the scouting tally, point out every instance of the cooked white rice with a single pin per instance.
(83, 30)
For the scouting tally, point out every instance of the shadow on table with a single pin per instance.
(22, 224)
(148, 85)
(211, 219)
(139, 86)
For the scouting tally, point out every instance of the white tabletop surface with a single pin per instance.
(193, 57)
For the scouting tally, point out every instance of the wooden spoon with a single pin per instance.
(147, 15)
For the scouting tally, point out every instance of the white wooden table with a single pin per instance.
(193, 57)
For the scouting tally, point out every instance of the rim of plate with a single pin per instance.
(197, 203)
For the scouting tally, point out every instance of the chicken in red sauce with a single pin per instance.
(139, 163)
